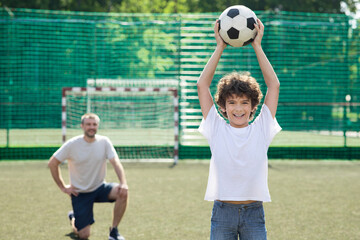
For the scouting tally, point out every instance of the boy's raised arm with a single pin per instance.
(270, 77)
(205, 79)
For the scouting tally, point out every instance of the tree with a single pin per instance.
(181, 6)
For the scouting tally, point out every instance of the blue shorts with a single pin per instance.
(84, 202)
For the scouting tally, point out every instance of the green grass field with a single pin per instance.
(189, 137)
(311, 200)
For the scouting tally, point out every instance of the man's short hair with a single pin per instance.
(90, 116)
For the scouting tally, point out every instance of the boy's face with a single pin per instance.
(238, 110)
(90, 127)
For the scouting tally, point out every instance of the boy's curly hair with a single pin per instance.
(239, 84)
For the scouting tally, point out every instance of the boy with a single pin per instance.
(238, 168)
(86, 155)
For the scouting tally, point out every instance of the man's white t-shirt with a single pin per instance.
(239, 163)
(86, 161)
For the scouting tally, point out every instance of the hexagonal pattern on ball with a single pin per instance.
(237, 25)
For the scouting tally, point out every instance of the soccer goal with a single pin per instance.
(142, 122)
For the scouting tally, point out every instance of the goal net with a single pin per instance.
(142, 123)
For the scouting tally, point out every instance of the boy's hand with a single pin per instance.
(219, 41)
(260, 33)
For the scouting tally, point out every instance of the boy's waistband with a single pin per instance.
(239, 206)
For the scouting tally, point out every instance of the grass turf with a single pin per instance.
(124, 137)
(311, 200)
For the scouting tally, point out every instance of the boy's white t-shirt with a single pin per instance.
(86, 161)
(239, 163)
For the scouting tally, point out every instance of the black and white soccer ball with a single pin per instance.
(236, 26)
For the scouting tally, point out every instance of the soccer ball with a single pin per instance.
(236, 25)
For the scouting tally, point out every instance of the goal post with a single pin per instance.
(142, 122)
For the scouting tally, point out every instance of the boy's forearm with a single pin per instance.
(207, 74)
(270, 77)
(271, 80)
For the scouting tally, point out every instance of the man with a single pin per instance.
(87, 155)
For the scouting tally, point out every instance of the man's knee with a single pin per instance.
(122, 196)
(84, 233)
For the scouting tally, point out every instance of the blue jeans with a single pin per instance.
(238, 221)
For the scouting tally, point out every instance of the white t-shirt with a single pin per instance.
(86, 161)
(239, 164)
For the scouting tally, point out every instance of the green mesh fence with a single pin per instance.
(316, 57)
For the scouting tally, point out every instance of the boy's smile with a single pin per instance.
(238, 110)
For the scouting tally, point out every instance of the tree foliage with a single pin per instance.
(180, 6)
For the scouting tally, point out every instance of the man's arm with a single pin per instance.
(119, 170)
(53, 164)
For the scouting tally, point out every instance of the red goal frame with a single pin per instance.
(173, 90)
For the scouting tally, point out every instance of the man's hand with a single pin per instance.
(122, 190)
(70, 190)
